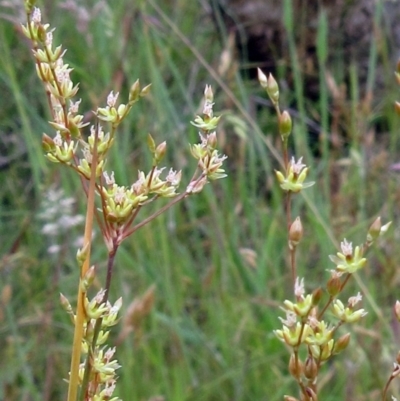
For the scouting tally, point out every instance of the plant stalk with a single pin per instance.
(80, 311)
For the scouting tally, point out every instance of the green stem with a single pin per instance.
(80, 311)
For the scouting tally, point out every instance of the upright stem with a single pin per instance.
(293, 264)
(292, 250)
(80, 312)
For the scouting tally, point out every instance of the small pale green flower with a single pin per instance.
(62, 151)
(37, 31)
(319, 335)
(119, 202)
(323, 352)
(294, 335)
(113, 113)
(198, 151)
(211, 165)
(296, 174)
(153, 184)
(93, 309)
(346, 261)
(104, 141)
(102, 337)
(103, 364)
(49, 56)
(110, 319)
(300, 308)
(85, 168)
(206, 124)
(347, 314)
(64, 89)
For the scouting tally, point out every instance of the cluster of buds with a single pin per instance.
(55, 75)
(97, 373)
(210, 162)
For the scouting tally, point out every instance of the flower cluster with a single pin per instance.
(210, 162)
(304, 326)
(97, 374)
(119, 203)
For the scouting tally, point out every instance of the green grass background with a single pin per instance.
(209, 334)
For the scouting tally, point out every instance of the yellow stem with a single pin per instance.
(80, 312)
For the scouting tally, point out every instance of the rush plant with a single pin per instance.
(314, 328)
(114, 207)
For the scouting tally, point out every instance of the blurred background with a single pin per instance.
(203, 283)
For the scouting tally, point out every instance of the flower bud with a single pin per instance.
(285, 125)
(295, 233)
(65, 303)
(208, 94)
(145, 90)
(81, 254)
(375, 228)
(151, 144)
(41, 34)
(334, 286)
(310, 368)
(67, 307)
(212, 140)
(341, 344)
(88, 278)
(273, 89)
(262, 78)
(134, 92)
(316, 296)
(295, 366)
(160, 152)
(47, 143)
